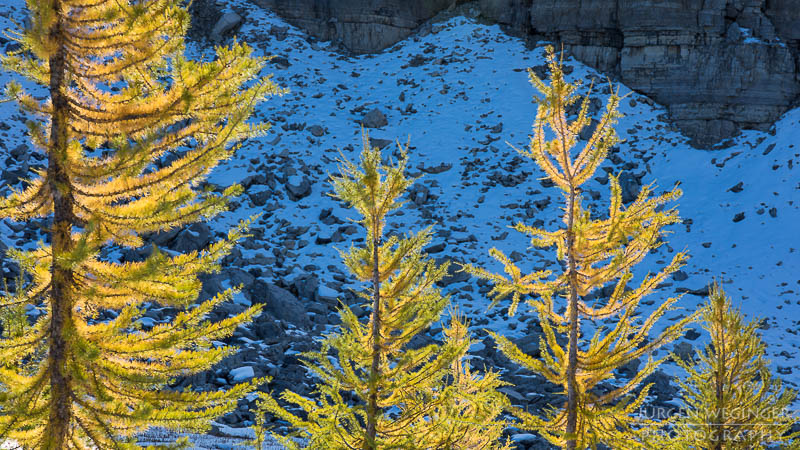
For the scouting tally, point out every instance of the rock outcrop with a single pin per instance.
(362, 26)
(718, 65)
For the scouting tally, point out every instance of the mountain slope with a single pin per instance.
(458, 93)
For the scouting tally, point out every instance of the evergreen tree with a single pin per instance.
(595, 253)
(408, 396)
(14, 318)
(130, 130)
(731, 400)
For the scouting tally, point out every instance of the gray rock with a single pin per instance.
(358, 311)
(529, 344)
(374, 119)
(228, 22)
(631, 368)
(279, 302)
(212, 284)
(268, 328)
(419, 194)
(680, 275)
(512, 394)
(195, 237)
(437, 169)
(587, 132)
(20, 152)
(239, 277)
(684, 56)
(435, 248)
(734, 33)
(316, 130)
(299, 190)
(380, 143)
(259, 198)
(281, 62)
(454, 272)
(701, 292)
(738, 187)
(662, 388)
(684, 350)
(691, 334)
(307, 287)
(630, 186)
(250, 180)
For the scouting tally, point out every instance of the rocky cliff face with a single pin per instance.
(363, 26)
(718, 65)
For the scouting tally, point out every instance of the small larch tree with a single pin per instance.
(595, 253)
(375, 389)
(731, 401)
(130, 128)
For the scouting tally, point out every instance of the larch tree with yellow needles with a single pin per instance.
(406, 396)
(731, 401)
(130, 128)
(595, 253)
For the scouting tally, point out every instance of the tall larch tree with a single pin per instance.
(595, 253)
(731, 401)
(130, 129)
(404, 396)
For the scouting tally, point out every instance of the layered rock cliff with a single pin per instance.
(363, 26)
(718, 65)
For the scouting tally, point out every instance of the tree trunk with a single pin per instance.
(58, 427)
(572, 362)
(374, 373)
(718, 437)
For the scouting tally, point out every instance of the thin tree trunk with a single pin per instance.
(718, 438)
(58, 426)
(372, 405)
(572, 362)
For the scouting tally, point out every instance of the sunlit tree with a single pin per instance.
(130, 127)
(406, 396)
(731, 401)
(595, 253)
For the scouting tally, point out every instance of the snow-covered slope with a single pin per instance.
(457, 93)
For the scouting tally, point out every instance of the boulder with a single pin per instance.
(279, 303)
(630, 186)
(307, 287)
(374, 119)
(684, 350)
(195, 237)
(259, 198)
(227, 23)
(20, 152)
(268, 328)
(298, 188)
(316, 130)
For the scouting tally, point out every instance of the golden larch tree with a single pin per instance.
(130, 128)
(595, 253)
(406, 396)
(731, 401)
